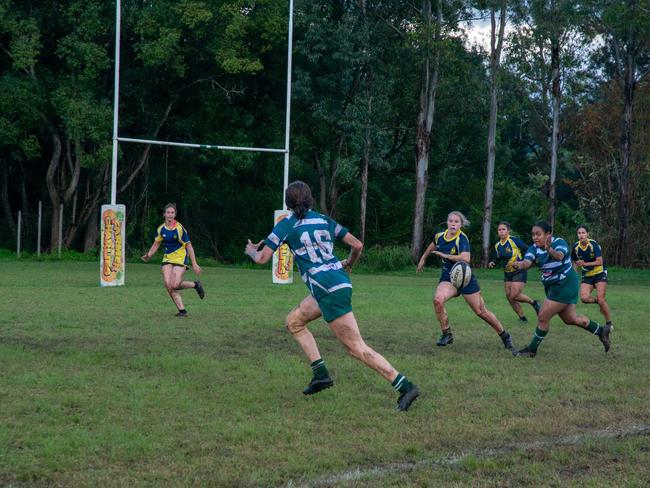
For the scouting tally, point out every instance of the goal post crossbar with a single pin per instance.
(202, 146)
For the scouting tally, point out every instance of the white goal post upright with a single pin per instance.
(112, 252)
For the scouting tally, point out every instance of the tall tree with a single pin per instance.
(431, 25)
(545, 46)
(625, 27)
(496, 46)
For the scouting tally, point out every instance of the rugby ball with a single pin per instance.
(460, 275)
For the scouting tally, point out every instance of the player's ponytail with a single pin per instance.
(298, 198)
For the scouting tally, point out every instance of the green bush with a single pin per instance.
(386, 258)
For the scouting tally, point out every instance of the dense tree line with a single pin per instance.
(397, 117)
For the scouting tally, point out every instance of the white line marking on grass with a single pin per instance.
(358, 474)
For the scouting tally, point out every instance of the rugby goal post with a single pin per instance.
(113, 216)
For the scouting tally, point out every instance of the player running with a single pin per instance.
(310, 236)
(588, 255)
(452, 245)
(177, 248)
(508, 250)
(560, 281)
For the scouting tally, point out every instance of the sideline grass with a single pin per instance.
(105, 387)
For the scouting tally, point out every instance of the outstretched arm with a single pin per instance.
(430, 248)
(356, 246)
(152, 250)
(259, 257)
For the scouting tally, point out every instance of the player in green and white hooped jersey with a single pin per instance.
(310, 236)
(561, 285)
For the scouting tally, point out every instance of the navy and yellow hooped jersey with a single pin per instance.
(453, 245)
(311, 240)
(508, 251)
(174, 243)
(589, 253)
(553, 271)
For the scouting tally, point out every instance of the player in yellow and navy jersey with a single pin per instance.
(452, 245)
(310, 236)
(508, 250)
(177, 254)
(552, 255)
(588, 255)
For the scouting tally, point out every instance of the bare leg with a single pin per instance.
(517, 292)
(477, 304)
(445, 292)
(548, 311)
(601, 289)
(585, 293)
(510, 295)
(172, 279)
(347, 331)
(296, 323)
(570, 317)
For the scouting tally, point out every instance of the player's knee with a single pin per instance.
(169, 286)
(295, 322)
(584, 298)
(438, 303)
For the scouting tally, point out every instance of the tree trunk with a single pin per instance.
(322, 185)
(428, 89)
(495, 59)
(364, 186)
(4, 195)
(555, 136)
(92, 230)
(50, 179)
(626, 149)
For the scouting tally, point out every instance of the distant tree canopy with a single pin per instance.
(215, 72)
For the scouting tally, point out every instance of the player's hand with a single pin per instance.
(491, 264)
(251, 248)
(580, 262)
(145, 257)
(516, 265)
(197, 269)
(346, 266)
(439, 254)
(547, 244)
(420, 267)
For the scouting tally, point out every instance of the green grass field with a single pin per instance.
(104, 387)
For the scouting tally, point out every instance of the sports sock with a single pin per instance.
(401, 384)
(609, 322)
(446, 331)
(537, 339)
(182, 310)
(319, 369)
(594, 328)
(503, 333)
(522, 317)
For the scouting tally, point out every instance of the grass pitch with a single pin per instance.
(104, 387)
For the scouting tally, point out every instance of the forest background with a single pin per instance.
(398, 117)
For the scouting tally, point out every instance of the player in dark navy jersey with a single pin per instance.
(588, 255)
(452, 246)
(508, 250)
(310, 236)
(551, 254)
(178, 252)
